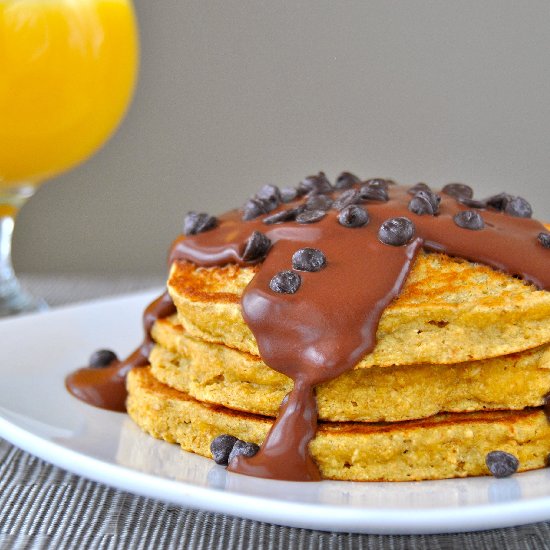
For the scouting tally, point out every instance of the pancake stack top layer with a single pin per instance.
(331, 260)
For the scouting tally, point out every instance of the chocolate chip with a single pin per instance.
(418, 187)
(421, 206)
(498, 202)
(310, 216)
(316, 185)
(501, 464)
(243, 448)
(519, 208)
(285, 282)
(308, 259)
(544, 239)
(318, 202)
(102, 358)
(287, 215)
(458, 190)
(288, 194)
(469, 219)
(280, 217)
(434, 198)
(351, 196)
(396, 231)
(377, 183)
(346, 180)
(221, 448)
(255, 207)
(194, 223)
(256, 248)
(425, 202)
(472, 203)
(271, 195)
(373, 194)
(374, 190)
(353, 216)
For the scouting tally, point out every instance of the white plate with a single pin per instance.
(38, 415)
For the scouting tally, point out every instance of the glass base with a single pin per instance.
(15, 301)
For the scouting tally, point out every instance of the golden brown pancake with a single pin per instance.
(444, 446)
(217, 374)
(449, 311)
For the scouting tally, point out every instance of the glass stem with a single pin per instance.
(8, 282)
(12, 299)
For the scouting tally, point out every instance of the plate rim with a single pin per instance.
(402, 521)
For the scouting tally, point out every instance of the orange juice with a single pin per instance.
(67, 73)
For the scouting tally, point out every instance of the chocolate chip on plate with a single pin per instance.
(418, 187)
(544, 239)
(469, 219)
(425, 202)
(285, 282)
(396, 231)
(351, 196)
(288, 194)
(316, 185)
(197, 222)
(256, 248)
(457, 190)
(310, 216)
(501, 464)
(102, 358)
(318, 202)
(498, 202)
(243, 448)
(309, 259)
(346, 180)
(519, 208)
(353, 216)
(221, 448)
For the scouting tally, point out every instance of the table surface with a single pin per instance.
(42, 506)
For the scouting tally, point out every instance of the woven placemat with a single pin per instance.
(42, 506)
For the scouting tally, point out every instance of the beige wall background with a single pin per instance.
(233, 95)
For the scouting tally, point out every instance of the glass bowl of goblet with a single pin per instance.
(67, 74)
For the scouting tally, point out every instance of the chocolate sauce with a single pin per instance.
(105, 387)
(330, 323)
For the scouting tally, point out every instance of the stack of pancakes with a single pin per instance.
(461, 368)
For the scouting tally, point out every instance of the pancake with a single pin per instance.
(449, 311)
(444, 446)
(217, 374)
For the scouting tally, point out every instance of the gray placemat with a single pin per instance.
(42, 506)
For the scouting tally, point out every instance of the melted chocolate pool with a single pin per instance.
(330, 323)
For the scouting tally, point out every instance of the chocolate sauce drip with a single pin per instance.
(284, 453)
(330, 323)
(105, 387)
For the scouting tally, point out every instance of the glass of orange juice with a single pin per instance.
(67, 74)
